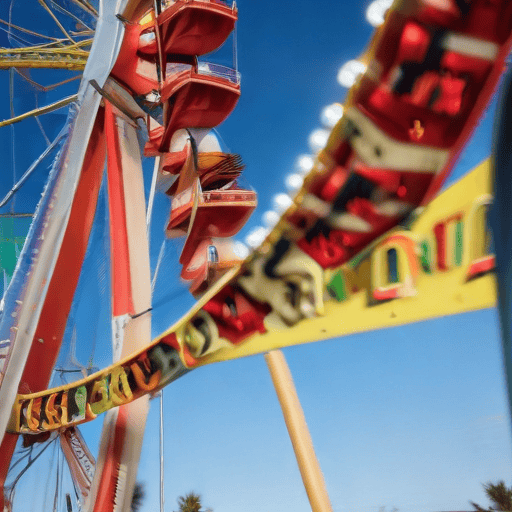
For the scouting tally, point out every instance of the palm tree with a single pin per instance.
(138, 496)
(500, 496)
(191, 502)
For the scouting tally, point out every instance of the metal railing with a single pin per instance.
(208, 68)
(165, 4)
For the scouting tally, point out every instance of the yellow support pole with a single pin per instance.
(298, 431)
(58, 23)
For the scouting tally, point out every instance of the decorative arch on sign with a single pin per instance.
(479, 246)
(394, 268)
(449, 242)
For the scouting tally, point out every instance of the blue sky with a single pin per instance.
(412, 417)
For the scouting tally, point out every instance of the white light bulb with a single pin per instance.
(293, 182)
(256, 237)
(241, 250)
(270, 218)
(376, 12)
(348, 73)
(331, 114)
(282, 202)
(304, 164)
(318, 139)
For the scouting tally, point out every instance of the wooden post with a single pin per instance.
(298, 431)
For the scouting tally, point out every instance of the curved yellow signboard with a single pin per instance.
(440, 263)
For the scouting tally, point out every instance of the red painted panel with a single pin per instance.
(119, 255)
(62, 286)
(107, 488)
(195, 27)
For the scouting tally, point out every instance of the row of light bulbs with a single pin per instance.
(330, 115)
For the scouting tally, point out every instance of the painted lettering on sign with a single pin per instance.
(83, 403)
(396, 262)
(141, 371)
(279, 288)
(395, 268)
(111, 391)
(290, 282)
(56, 415)
(480, 245)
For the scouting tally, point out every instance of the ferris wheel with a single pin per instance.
(149, 98)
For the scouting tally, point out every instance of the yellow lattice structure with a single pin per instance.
(51, 56)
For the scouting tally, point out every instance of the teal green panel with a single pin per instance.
(13, 231)
(426, 260)
(458, 242)
(336, 287)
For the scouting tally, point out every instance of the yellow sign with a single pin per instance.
(439, 265)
